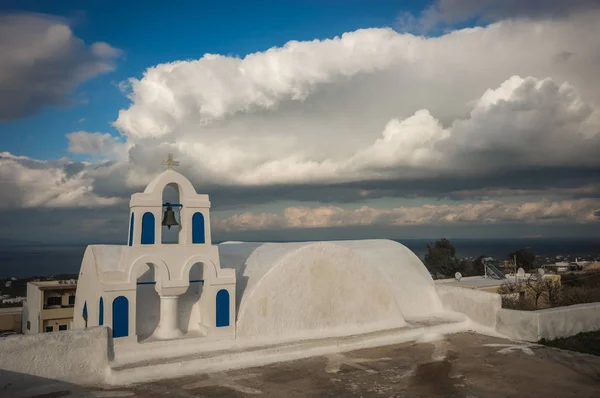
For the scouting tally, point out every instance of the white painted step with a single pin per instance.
(226, 355)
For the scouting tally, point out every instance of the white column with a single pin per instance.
(168, 326)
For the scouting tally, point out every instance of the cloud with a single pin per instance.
(43, 62)
(371, 114)
(82, 142)
(448, 12)
(30, 183)
(485, 212)
(376, 105)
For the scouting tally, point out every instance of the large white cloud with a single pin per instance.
(43, 62)
(376, 104)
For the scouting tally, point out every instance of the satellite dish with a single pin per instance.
(541, 271)
(458, 276)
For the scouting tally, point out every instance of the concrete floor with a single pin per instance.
(463, 365)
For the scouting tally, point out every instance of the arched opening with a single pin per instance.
(189, 302)
(147, 302)
(120, 315)
(171, 195)
(222, 308)
(148, 229)
(131, 230)
(101, 312)
(198, 235)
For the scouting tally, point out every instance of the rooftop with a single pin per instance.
(55, 285)
(460, 365)
(474, 282)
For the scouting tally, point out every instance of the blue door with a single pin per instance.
(120, 317)
(222, 308)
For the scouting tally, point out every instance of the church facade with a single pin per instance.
(151, 290)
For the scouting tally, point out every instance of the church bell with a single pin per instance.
(169, 217)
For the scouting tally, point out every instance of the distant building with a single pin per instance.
(13, 300)
(10, 319)
(49, 306)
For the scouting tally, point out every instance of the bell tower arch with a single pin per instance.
(154, 211)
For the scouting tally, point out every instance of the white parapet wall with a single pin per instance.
(549, 324)
(79, 356)
(478, 305)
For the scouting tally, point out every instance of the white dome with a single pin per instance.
(327, 288)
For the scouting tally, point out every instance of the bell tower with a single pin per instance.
(149, 214)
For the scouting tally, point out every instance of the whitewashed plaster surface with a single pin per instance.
(479, 306)
(550, 324)
(79, 356)
(327, 288)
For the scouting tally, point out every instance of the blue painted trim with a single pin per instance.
(85, 313)
(222, 308)
(147, 283)
(172, 204)
(148, 229)
(198, 234)
(131, 231)
(197, 281)
(101, 312)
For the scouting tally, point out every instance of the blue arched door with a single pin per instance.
(222, 308)
(120, 314)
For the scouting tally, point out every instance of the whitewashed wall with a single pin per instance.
(480, 306)
(79, 356)
(549, 324)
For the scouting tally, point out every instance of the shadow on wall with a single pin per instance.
(188, 304)
(236, 259)
(147, 305)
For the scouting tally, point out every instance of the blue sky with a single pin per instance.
(154, 32)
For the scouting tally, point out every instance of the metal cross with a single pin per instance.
(170, 162)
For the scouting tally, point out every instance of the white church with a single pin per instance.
(148, 290)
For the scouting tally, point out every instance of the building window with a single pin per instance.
(101, 312)
(54, 301)
(71, 300)
(28, 325)
(198, 228)
(131, 231)
(49, 329)
(148, 229)
(62, 327)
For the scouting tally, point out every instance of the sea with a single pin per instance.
(29, 261)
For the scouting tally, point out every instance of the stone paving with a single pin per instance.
(462, 365)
